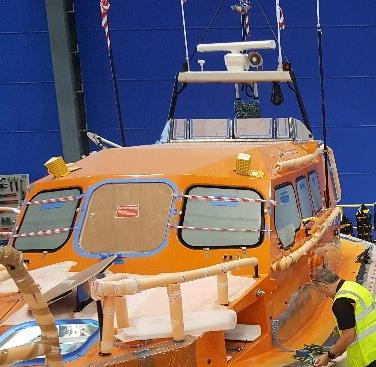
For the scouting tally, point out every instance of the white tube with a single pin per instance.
(278, 13)
(185, 34)
(236, 46)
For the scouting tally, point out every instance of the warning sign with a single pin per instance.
(127, 211)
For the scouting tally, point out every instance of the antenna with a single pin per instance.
(280, 25)
(185, 34)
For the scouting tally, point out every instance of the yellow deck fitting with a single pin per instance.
(57, 167)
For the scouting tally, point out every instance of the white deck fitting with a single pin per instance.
(243, 332)
(242, 77)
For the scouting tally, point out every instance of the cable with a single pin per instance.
(323, 110)
(208, 27)
(291, 87)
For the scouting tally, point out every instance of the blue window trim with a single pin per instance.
(85, 206)
(67, 357)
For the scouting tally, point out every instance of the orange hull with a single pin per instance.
(295, 323)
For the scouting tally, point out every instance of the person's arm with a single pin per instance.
(347, 337)
(343, 309)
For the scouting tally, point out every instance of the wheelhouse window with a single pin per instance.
(126, 217)
(222, 215)
(287, 217)
(315, 191)
(42, 217)
(304, 199)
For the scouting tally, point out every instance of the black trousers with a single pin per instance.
(373, 364)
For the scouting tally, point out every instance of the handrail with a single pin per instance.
(49, 343)
(354, 205)
(113, 289)
(288, 260)
(295, 162)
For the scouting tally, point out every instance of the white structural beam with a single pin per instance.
(241, 77)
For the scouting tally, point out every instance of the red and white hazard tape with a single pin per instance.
(56, 200)
(48, 232)
(218, 229)
(225, 198)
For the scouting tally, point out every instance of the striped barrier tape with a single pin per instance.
(48, 232)
(225, 198)
(56, 200)
(217, 229)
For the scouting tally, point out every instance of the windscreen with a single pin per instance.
(126, 217)
(48, 216)
(225, 215)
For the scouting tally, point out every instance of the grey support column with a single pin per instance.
(67, 75)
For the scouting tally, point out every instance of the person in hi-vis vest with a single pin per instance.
(355, 310)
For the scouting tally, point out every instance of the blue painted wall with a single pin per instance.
(148, 49)
(29, 127)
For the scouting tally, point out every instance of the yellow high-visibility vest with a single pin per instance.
(363, 350)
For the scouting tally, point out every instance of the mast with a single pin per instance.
(243, 9)
(280, 25)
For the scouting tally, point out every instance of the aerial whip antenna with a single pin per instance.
(185, 34)
(105, 7)
(323, 111)
(280, 25)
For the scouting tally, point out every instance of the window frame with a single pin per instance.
(69, 234)
(183, 211)
(84, 210)
(277, 187)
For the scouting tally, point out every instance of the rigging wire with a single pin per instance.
(271, 28)
(209, 26)
(323, 111)
(291, 87)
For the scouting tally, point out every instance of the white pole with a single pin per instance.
(185, 34)
(278, 13)
(318, 13)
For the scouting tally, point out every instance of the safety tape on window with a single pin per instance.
(48, 232)
(217, 229)
(224, 198)
(56, 200)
